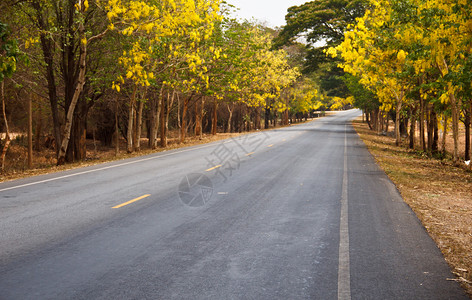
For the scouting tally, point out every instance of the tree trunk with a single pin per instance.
(77, 149)
(374, 118)
(422, 137)
(179, 123)
(367, 119)
(37, 138)
(467, 131)
(434, 121)
(381, 123)
(443, 143)
(455, 104)
(430, 128)
(7, 130)
(183, 128)
(237, 127)
(230, 117)
(214, 122)
(257, 119)
(152, 120)
(470, 146)
(139, 125)
(154, 115)
(69, 158)
(202, 108)
(129, 135)
(404, 126)
(168, 108)
(387, 121)
(455, 107)
(198, 119)
(77, 92)
(30, 133)
(158, 112)
(135, 125)
(267, 117)
(47, 47)
(398, 137)
(117, 131)
(79, 137)
(162, 126)
(412, 128)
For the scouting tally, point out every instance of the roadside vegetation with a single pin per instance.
(410, 61)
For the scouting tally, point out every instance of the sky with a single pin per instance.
(271, 11)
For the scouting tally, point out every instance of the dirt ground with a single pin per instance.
(439, 193)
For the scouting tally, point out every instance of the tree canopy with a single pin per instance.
(413, 53)
(318, 25)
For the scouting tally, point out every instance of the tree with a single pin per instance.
(302, 98)
(413, 45)
(167, 47)
(9, 53)
(321, 24)
(363, 98)
(371, 52)
(64, 30)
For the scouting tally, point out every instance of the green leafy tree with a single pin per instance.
(9, 52)
(321, 24)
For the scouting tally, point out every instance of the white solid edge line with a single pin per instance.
(344, 272)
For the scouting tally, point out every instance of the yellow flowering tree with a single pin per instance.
(167, 47)
(302, 98)
(401, 45)
(373, 52)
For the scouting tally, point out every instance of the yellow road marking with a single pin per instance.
(215, 167)
(131, 201)
(284, 140)
(270, 145)
(249, 154)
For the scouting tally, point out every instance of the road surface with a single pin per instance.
(301, 212)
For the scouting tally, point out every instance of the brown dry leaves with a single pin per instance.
(439, 193)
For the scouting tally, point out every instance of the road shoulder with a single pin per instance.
(438, 193)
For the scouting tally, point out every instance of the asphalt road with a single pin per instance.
(296, 213)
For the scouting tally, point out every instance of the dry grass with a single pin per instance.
(439, 193)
